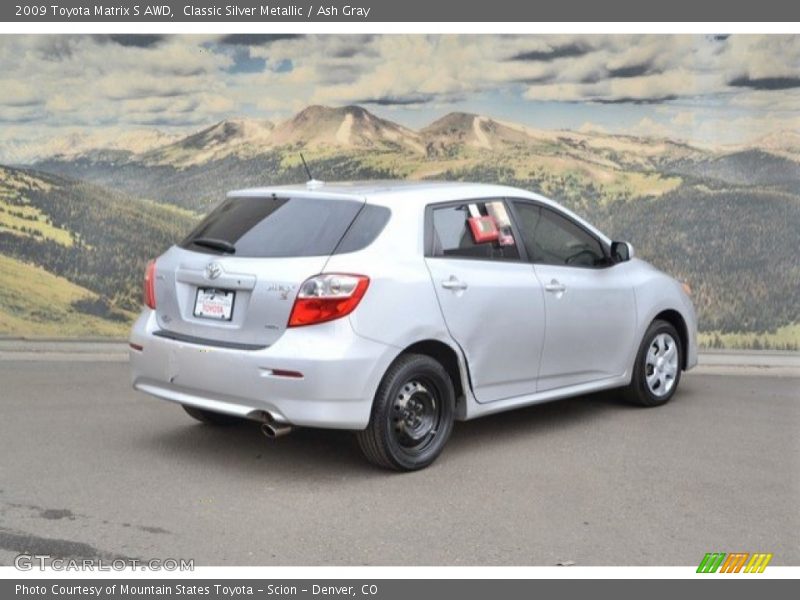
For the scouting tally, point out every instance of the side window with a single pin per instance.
(365, 229)
(552, 239)
(453, 236)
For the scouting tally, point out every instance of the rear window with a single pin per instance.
(255, 227)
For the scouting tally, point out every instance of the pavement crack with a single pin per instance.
(152, 529)
(27, 543)
(56, 513)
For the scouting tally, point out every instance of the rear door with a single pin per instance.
(589, 303)
(234, 279)
(492, 303)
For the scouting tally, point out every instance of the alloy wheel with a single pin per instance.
(661, 364)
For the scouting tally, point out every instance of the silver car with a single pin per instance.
(394, 309)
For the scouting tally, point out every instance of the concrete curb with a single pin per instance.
(748, 362)
(64, 346)
(723, 362)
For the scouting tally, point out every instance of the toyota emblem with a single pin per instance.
(213, 270)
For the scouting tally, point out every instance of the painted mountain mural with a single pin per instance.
(77, 226)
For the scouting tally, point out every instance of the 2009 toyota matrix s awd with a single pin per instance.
(393, 309)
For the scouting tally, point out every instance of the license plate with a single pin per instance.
(214, 304)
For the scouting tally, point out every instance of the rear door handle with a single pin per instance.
(555, 286)
(453, 284)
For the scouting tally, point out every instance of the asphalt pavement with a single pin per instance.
(92, 469)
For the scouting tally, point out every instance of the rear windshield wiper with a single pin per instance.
(215, 244)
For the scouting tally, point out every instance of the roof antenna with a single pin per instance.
(311, 183)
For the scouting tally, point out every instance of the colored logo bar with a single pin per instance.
(736, 562)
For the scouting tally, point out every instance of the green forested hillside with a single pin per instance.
(93, 237)
(736, 247)
(744, 168)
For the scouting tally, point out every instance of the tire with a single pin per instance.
(209, 417)
(412, 415)
(657, 371)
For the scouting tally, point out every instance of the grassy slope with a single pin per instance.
(783, 338)
(35, 303)
(29, 221)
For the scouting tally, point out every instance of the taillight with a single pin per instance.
(327, 297)
(150, 285)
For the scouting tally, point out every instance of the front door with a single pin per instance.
(589, 303)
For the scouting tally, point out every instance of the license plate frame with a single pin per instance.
(206, 308)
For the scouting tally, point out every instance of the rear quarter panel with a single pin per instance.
(400, 307)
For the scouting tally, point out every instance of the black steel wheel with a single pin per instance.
(412, 415)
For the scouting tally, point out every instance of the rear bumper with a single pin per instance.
(340, 374)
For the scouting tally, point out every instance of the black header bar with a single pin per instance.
(440, 11)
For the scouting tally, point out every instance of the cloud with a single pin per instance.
(257, 39)
(354, 49)
(633, 100)
(767, 100)
(589, 127)
(766, 83)
(650, 127)
(338, 73)
(746, 127)
(118, 86)
(408, 100)
(630, 71)
(135, 40)
(768, 62)
(21, 114)
(553, 53)
(160, 105)
(61, 103)
(54, 47)
(18, 93)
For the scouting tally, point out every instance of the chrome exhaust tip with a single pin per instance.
(275, 430)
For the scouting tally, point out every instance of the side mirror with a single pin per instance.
(621, 251)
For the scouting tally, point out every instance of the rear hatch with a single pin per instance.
(233, 280)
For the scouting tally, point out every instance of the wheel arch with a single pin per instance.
(452, 362)
(674, 318)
